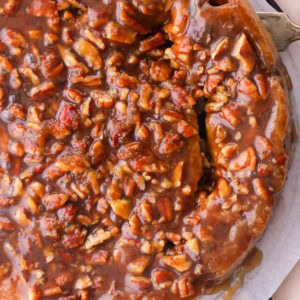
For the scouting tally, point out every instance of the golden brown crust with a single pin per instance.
(276, 125)
(246, 134)
(260, 37)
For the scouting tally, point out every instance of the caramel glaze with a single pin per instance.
(273, 120)
(230, 286)
(215, 227)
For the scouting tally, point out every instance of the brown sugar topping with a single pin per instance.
(142, 144)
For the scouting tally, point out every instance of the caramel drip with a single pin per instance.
(230, 286)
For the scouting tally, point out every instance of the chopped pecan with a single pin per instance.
(232, 114)
(170, 143)
(184, 287)
(224, 189)
(221, 134)
(91, 80)
(127, 81)
(96, 238)
(83, 282)
(177, 174)
(75, 239)
(117, 34)
(67, 213)
(229, 150)
(165, 208)
(264, 170)
(128, 17)
(145, 97)
(13, 40)
(43, 90)
(142, 132)
(98, 17)
(18, 111)
(69, 116)
(15, 80)
(248, 87)
(220, 48)
(138, 266)
(160, 71)
(263, 147)
(55, 201)
(72, 162)
(116, 59)
(193, 246)
(152, 42)
(64, 278)
(7, 201)
(4, 269)
(212, 83)
(42, 8)
(142, 282)
(73, 95)
(53, 291)
(181, 97)
(244, 53)
(146, 211)
(183, 45)
(89, 53)
(5, 64)
(261, 85)
(30, 75)
(56, 129)
(261, 191)
(245, 161)
(179, 262)
(6, 224)
(93, 37)
(225, 64)
(70, 59)
(9, 7)
(121, 208)
(240, 186)
(186, 129)
(129, 186)
(102, 99)
(97, 258)
(162, 278)
(172, 116)
(51, 64)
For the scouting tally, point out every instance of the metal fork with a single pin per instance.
(283, 31)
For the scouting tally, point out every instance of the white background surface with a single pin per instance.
(292, 8)
(290, 289)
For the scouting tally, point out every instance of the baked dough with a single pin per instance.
(109, 189)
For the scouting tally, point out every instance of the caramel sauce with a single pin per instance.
(72, 211)
(230, 286)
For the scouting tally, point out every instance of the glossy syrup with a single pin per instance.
(230, 287)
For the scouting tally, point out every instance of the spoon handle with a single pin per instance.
(283, 31)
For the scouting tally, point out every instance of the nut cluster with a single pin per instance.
(100, 155)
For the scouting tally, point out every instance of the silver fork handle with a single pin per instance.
(283, 31)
